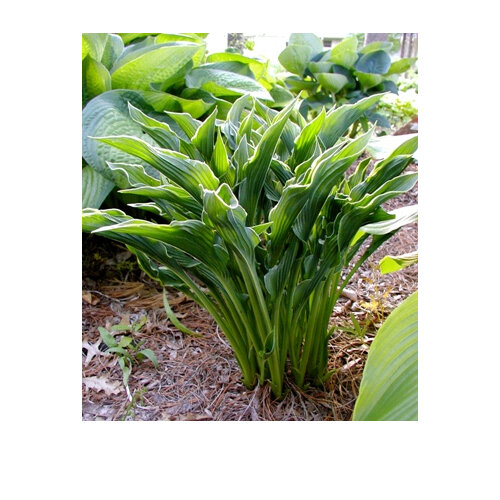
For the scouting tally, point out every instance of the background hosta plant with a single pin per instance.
(256, 217)
(342, 74)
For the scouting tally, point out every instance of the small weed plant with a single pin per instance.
(127, 349)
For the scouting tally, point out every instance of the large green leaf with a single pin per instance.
(107, 114)
(401, 65)
(307, 39)
(393, 263)
(389, 387)
(95, 188)
(153, 65)
(331, 81)
(345, 52)
(258, 68)
(225, 83)
(378, 62)
(96, 79)
(295, 58)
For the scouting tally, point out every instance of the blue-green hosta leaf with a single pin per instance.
(186, 122)
(296, 84)
(281, 96)
(295, 58)
(107, 114)
(112, 50)
(308, 39)
(401, 65)
(389, 387)
(225, 83)
(393, 263)
(95, 188)
(345, 52)
(332, 81)
(338, 120)
(153, 64)
(96, 79)
(377, 61)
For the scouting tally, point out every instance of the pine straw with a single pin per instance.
(198, 377)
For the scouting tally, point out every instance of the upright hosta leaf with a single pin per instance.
(372, 47)
(295, 58)
(338, 120)
(225, 83)
(203, 138)
(259, 164)
(381, 147)
(96, 79)
(377, 61)
(95, 188)
(112, 50)
(389, 387)
(187, 173)
(154, 64)
(93, 45)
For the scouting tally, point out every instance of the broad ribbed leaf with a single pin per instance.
(389, 387)
(154, 64)
(368, 80)
(258, 68)
(95, 188)
(107, 114)
(372, 47)
(93, 45)
(225, 83)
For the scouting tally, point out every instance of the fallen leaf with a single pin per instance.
(92, 350)
(89, 298)
(102, 384)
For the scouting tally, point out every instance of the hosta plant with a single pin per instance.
(342, 74)
(259, 219)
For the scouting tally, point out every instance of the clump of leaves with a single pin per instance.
(255, 217)
(342, 74)
(127, 349)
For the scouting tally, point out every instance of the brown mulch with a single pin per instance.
(198, 377)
